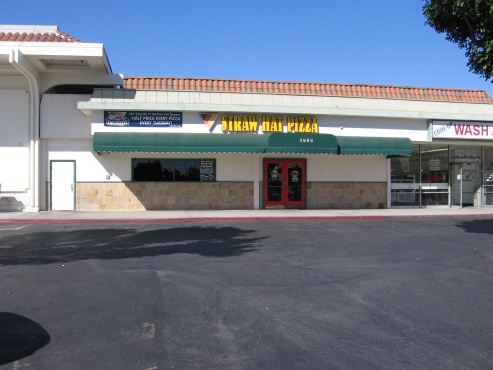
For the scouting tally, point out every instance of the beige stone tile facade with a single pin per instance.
(129, 196)
(346, 195)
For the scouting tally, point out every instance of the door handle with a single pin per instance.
(71, 187)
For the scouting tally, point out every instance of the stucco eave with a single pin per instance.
(87, 107)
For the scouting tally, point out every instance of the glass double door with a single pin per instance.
(284, 183)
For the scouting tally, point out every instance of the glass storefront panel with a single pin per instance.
(295, 182)
(274, 186)
(465, 161)
(405, 180)
(441, 175)
(434, 175)
(422, 179)
(487, 186)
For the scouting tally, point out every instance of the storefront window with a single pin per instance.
(434, 175)
(422, 179)
(465, 175)
(405, 176)
(199, 170)
(440, 175)
(487, 188)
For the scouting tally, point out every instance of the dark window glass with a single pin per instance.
(150, 170)
(173, 169)
(168, 170)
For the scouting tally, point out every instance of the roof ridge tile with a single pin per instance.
(309, 88)
(35, 35)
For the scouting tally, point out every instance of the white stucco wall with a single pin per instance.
(14, 140)
(60, 118)
(230, 167)
(89, 167)
(347, 168)
(414, 129)
(94, 167)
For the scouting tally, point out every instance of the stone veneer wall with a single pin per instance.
(126, 196)
(346, 195)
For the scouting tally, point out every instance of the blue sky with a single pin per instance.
(382, 42)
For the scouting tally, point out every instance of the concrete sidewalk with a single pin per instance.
(209, 215)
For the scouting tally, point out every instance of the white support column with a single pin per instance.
(256, 181)
(389, 182)
(17, 59)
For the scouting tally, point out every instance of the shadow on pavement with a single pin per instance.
(477, 226)
(19, 337)
(65, 246)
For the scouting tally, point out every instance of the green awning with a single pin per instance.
(388, 146)
(124, 142)
(301, 143)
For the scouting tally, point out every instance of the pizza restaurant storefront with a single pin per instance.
(250, 162)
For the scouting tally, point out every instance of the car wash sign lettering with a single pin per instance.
(143, 119)
(460, 130)
(268, 123)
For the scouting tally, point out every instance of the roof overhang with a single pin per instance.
(60, 63)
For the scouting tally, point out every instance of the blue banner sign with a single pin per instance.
(143, 119)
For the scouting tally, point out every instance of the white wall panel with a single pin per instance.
(14, 140)
(14, 169)
(92, 167)
(236, 167)
(14, 118)
(89, 166)
(342, 168)
(60, 118)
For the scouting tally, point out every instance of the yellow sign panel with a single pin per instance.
(302, 124)
(251, 123)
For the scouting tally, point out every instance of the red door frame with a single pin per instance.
(282, 188)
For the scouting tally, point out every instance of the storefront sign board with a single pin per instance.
(460, 130)
(143, 119)
(268, 123)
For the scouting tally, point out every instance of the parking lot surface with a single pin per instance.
(399, 293)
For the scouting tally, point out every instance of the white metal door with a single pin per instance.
(63, 185)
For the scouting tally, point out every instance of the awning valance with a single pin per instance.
(301, 143)
(292, 143)
(388, 146)
(124, 142)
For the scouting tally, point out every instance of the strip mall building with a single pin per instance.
(76, 136)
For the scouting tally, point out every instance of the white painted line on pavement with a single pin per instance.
(13, 228)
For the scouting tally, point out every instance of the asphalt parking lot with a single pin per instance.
(272, 294)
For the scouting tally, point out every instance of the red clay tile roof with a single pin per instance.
(33, 34)
(307, 88)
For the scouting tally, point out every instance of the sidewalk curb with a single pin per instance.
(232, 219)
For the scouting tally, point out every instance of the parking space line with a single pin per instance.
(13, 228)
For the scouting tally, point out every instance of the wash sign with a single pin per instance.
(460, 130)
